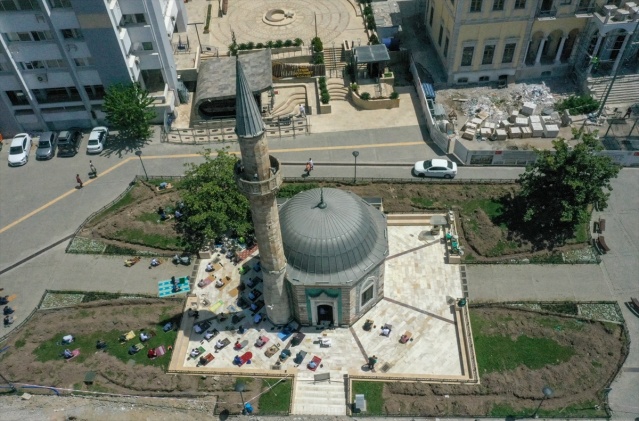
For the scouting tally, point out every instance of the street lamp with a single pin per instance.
(547, 391)
(355, 154)
(139, 154)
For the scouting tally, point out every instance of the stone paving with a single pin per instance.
(336, 20)
(417, 285)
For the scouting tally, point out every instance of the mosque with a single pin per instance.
(322, 253)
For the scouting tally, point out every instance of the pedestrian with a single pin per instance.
(302, 110)
(308, 169)
(372, 361)
(310, 161)
(92, 171)
(77, 179)
(628, 112)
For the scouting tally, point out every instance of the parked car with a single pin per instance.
(442, 168)
(47, 145)
(68, 142)
(19, 150)
(97, 138)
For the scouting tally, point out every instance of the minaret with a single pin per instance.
(259, 178)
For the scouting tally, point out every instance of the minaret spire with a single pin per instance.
(247, 115)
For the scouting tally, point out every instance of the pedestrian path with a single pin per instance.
(324, 397)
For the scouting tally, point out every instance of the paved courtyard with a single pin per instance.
(417, 284)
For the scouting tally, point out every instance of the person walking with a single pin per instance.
(308, 169)
(92, 171)
(628, 112)
(78, 180)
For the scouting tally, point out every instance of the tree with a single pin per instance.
(213, 204)
(127, 108)
(559, 188)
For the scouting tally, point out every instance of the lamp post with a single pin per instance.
(139, 154)
(355, 154)
(547, 391)
(197, 33)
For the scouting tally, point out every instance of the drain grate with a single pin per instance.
(385, 368)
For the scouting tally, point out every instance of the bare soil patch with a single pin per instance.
(483, 239)
(577, 383)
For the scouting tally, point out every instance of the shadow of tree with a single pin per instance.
(120, 144)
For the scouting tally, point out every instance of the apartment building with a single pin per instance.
(508, 40)
(57, 58)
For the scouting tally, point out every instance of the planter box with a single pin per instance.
(390, 80)
(374, 104)
(325, 108)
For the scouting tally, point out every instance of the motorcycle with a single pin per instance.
(184, 260)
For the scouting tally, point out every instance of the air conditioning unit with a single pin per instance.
(137, 60)
(42, 78)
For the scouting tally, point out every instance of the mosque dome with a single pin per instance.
(331, 236)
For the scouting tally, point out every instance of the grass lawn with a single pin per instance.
(50, 350)
(373, 392)
(276, 400)
(501, 353)
(581, 410)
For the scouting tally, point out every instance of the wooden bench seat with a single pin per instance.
(601, 241)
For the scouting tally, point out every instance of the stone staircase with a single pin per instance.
(319, 398)
(337, 90)
(625, 91)
(334, 60)
(290, 105)
(410, 219)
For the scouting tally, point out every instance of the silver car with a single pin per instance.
(441, 168)
(47, 145)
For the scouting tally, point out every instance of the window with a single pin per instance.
(29, 36)
(441, 33)
(446, 48)
(520, 4)
(462, 80)
(489, 53)
(467, 56)
(564, 2)
(475, 5)
(28, 4)
(132, 19)
(30, 65)
(147, 46)
(94, 91)
(367, 295)
(432, 13)
(7, 5)
(56, 64)
(71, 33)
(17, 97)
(41, 35)
(498, 5)
(509, 53)
(3, 67)
(83, 61)
(484, 78)
(60, 3)
(51, 95)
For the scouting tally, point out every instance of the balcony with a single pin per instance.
(581, 12)
(250, 186)
(610, 17)
(546, 14)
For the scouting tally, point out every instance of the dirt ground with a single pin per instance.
(480, 236)
(575, 382)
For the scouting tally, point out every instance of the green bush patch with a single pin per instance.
(138, 236)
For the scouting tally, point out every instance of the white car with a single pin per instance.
(19, 150)
(442, 168)
(97, 138)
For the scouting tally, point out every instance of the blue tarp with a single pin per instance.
(428, 89)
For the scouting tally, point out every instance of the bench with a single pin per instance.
(601, 242)
(600, 226)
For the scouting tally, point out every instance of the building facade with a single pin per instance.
(508, 40)
(57, 58)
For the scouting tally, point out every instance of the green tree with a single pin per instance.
(559, 188)
(213, 204)
(127, 108)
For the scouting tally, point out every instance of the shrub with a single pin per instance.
(270, 44)
(317, 44)
(297, 42)
(578, 104)
(365, 96)
(322, 82)
(250, 45)
(259, 45)
(370, 22)
(318, 59)
(373, 39)
(233, 49)
(279, 43)
(394, 95)
(354, 87)
(288, 43)
(368, 11)
(242, 46)
(325, 97)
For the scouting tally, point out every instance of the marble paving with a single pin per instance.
(417, 285)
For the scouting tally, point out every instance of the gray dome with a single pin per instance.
(346, 237)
